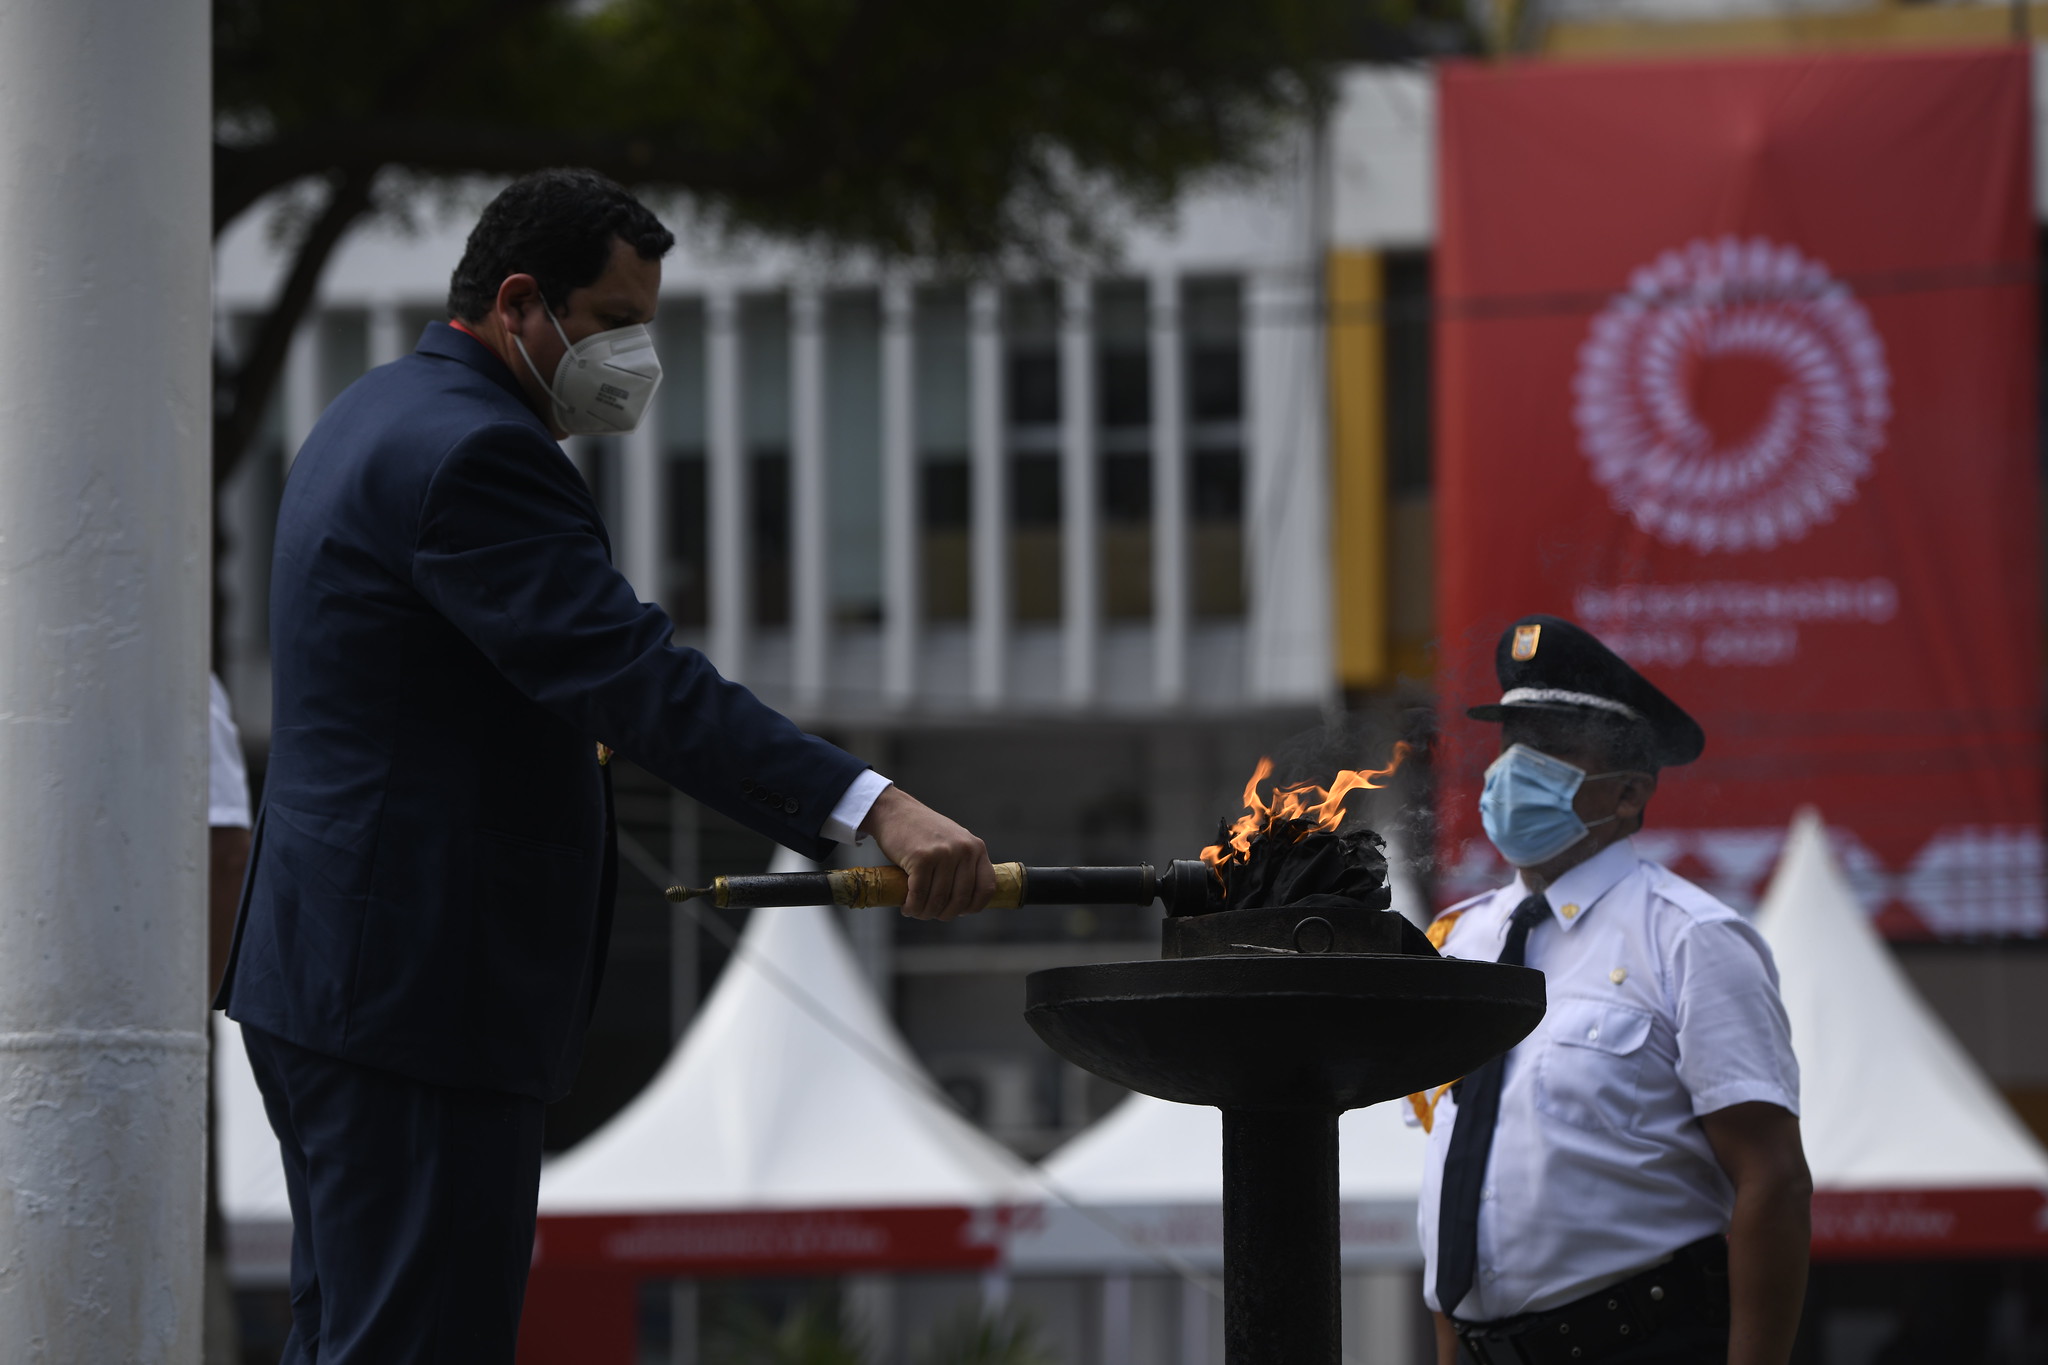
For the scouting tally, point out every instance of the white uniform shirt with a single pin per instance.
(1663, 1005)
(227, 786)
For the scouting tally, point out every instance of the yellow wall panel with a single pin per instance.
(1358, 467)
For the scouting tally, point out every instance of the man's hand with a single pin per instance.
(1758, 1146)
(948, 867)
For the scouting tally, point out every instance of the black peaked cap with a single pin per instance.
(1546, 663)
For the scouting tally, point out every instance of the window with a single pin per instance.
(1031, 372)
(1212, 331)
(764, 409)
(945, 515)
(1123, 440)
(853, 454)
(678, 411)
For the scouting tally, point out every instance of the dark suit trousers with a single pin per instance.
(412, 1210)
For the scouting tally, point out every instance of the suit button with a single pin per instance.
(747, 786)
(791, 806)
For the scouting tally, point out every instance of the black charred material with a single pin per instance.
(1292, 859)
(1315, 893)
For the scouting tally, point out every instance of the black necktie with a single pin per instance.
(1457, 1222)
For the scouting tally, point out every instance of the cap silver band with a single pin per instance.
(1519, 695)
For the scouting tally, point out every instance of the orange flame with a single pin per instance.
(1324, 806)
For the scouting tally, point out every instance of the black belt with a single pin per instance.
(1691, 1287)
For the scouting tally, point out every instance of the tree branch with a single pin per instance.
(241, 397)
(243, 175)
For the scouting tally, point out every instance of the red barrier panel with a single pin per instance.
(1853, 1225)
(580, 1300)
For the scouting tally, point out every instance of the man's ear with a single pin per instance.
(516, 294)
(1634, 798)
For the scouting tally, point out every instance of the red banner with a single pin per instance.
(1736, 368)
(1925, 1225)
(774, 1241)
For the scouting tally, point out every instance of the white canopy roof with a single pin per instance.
(1890, 1099)
(1146, 1185)
(792, 1089)
(1151, 1151)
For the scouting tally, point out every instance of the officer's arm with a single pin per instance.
(1446, 1341)
(1758, 1146)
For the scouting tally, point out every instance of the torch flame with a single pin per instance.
(1305, 801)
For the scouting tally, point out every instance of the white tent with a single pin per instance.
(1890, 1099)
(1150, 1175)
(792, 1090)
(1150, 1149)
(1914, 1153)
(253, 1205)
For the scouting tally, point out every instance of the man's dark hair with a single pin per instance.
(556, 226)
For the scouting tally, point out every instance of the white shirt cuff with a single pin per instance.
(843, 824)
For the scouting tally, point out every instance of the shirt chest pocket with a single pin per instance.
(1592, 1059)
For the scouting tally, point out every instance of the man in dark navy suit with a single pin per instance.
(425, 919)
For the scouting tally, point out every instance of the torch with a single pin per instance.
(1185, 887)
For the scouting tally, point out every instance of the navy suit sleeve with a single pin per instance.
(510, 550)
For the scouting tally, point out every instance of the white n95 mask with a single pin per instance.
(602, 386)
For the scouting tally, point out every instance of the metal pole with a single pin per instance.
(1280, 1270)
(104, 548)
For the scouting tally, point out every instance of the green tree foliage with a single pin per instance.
(811, 1334)
(928, 127)
(977, 1338)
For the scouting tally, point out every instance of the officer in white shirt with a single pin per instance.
(1628, 1184)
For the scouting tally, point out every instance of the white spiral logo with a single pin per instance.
(1660, 462)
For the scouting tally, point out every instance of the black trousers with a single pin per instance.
(1675, 1344)
(412, 1210)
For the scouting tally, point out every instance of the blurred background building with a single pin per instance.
(1063, 556)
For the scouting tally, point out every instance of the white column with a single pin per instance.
(684, 1330)
(726, 480)
(643, 496)
(1287, 514)
(1388, 1299)
(300, 395)
(105, 243)
(1169, 493)
(387, 338)
(1196, 1307)
(870, 1302)
(1080, 581)
(901, 607)
(809, 588)
(990, 487)
(1116, 1316)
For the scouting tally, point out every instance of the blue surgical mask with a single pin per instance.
(1527, 805)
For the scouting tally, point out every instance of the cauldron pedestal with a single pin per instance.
(1282, 1044)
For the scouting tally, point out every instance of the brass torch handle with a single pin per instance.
(850, 886)
(862, 886)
